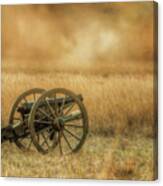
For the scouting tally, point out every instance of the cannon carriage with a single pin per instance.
(46, 120)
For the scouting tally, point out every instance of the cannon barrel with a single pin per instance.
(26, 107)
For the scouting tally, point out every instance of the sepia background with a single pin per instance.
(103, 51)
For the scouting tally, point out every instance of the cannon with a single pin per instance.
(47, 120)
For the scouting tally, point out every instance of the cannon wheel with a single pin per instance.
(15, 117)
(70, 133)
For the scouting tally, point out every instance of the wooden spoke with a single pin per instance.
(43, 112)
(51, 132)
(44, 129)
(55, 104)
(50, 108)
(42, 143)
(34, 96)
(44, 117)
(72, 125)
(76, 137)
(29, 145)
(43, 122)
(60, 146)
(67, 141)
(25, 100)
(45, 139)
(70, 108)
(62, 106)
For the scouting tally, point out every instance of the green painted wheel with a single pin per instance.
(65, 122)
(15, 117)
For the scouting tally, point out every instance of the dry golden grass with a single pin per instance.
(100, 158)
(120, 144)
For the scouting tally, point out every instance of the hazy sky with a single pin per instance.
(78, 32)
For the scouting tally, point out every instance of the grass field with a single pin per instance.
(119, 101)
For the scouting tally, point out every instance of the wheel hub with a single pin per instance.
(58, 124)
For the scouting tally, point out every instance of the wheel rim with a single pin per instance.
(14, 117)
(68, 121)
